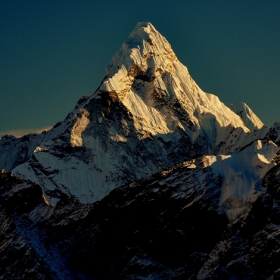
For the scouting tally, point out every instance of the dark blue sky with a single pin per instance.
(53, 52)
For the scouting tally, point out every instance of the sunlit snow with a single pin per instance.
(130, 128)
(243, 172)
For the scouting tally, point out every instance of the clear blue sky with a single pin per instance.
(53, 52)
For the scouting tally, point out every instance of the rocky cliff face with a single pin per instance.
(149, 177)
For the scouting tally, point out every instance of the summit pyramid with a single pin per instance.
(148, 114)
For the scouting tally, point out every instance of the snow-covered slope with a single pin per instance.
(15, 151)
(242, 174)
(148, 114)
(247, 115)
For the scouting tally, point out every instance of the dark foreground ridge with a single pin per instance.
(164, 227)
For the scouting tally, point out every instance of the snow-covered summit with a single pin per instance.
(250, 119)
(142, 43)
(148, 114)
(150, 81)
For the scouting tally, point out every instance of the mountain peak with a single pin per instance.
(145, 47)
(147, 107)
(148, 79)
(142, 30)
(247, 115)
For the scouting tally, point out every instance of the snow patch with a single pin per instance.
(243, 172)
(79, 127)
(39, 149)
